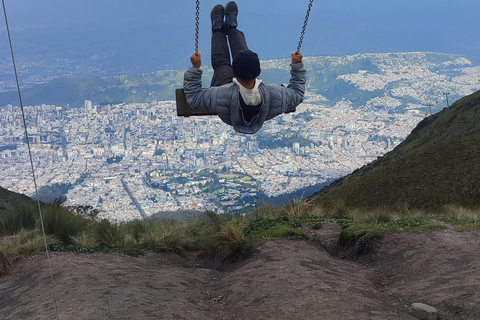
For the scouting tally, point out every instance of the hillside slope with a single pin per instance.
(436, 165)
(9, 199)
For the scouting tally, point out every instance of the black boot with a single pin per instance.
(231, 13)
(217, 14)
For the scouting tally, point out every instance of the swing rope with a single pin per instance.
(31, 160)
(197, 25)
(304, 26)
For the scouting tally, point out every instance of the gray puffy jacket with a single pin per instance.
(225, 101)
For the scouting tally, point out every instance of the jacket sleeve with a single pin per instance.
(198, 97)
(293, 94)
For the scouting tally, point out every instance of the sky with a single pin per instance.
(127, 36)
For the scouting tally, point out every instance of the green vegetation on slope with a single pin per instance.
(9, 199)
(436, 165)
(209, 234)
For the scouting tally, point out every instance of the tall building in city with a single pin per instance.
(88, 106)
(296, 147)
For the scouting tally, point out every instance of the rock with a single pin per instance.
(423, 311)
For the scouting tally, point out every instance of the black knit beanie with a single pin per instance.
(246, 65)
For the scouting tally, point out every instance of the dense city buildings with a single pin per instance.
(133, 160)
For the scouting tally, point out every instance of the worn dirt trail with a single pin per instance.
(286, 279)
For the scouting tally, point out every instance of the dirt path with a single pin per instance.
(286, 279)
(438, 268)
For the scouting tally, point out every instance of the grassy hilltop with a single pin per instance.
(438, 164)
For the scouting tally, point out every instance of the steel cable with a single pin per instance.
(31, 160)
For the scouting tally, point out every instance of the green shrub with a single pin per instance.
(160, 237)
(317, 210)
(29, 241)
(84, 240)
(111, 235)
(295, 208)
(62, 223)
(340, 210)
(374, 216)
(24, 242)
(138, 230)
(214, 219)
(459, 214)
(171, 236)
(23, 216)
(228, 242)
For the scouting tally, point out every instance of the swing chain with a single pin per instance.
(304, 26)
(197, 25)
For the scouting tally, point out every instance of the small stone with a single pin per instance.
(423, 311)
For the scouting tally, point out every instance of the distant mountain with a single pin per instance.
(396, 82)
(438, 164)
(110, 90)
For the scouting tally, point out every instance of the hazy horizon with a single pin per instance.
(110, 37)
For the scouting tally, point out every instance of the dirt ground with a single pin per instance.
(286, 279)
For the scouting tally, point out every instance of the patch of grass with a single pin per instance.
(131, 251)
(295, 208)
(111, 235)
(63, 223)
(22, 216)
(361, 234)
(84, 240)
(374, 216)
(278, 232)
(317, 225)
(229, 242)
(265, 223)
(456, 214)
(28, 241)
(214, 219)
(78, 249)
(138, 229)
(165, 236)
(24, 242)
(316, 210)
(340, 210)
(266, 228)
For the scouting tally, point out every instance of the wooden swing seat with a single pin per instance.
(184, 109)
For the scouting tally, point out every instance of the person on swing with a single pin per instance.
(236, 94)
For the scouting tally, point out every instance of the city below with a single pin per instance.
(134, 160)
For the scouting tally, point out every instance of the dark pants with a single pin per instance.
(221, 62)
